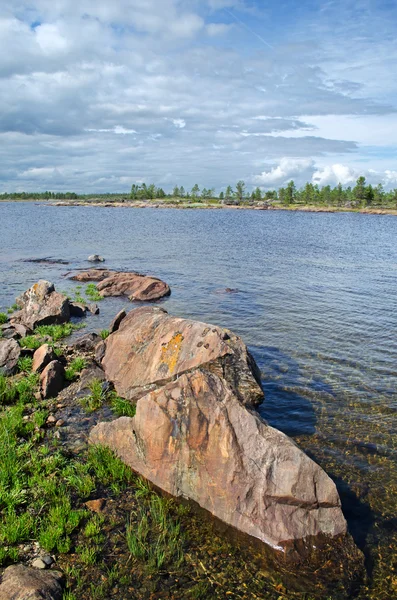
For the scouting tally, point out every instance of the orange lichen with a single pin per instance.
(170, 352)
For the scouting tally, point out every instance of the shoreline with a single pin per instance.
(207, 206)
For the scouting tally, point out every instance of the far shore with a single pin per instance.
(213, 206)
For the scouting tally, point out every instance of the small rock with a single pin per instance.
(115, 324)
(57, 435)
(26, 583)
(96, 506)
(25, 418)
(77, 309)
(38, 563)
(52, 379)
(60, 405)
(37, 395)
(47, 559)
(94, 309)
(86, 342)
(9, 333)
(50, 420)
(60, 423)
(9, 355)
(42, 357)
(88, 375)
(22, 330)
(41, 305)
(96, 258)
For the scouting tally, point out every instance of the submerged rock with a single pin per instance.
(9, 355)
(41, 305)
(26, 583)
(195, 386)
(134, 285)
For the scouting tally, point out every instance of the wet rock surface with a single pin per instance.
(27, 583)
(134, 285)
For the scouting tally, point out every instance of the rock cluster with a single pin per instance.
(134, 285)
(196, 435)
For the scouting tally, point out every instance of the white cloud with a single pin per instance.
(96, 83)
(287, 169)
(179, 123)
(334, 174)
(50, 39)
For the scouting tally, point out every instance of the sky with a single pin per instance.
(96, 95)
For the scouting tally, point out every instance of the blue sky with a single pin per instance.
(97, 95)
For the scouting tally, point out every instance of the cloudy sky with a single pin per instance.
(98, 94)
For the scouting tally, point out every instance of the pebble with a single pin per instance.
(60, 406)
(47, 559)
(60, 423)
(38, 563)
(51, 419)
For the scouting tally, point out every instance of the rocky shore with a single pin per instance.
(122, 436)
(219, 206)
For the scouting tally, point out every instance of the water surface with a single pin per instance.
(317, 305)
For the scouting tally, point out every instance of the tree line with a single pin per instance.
(358, 196)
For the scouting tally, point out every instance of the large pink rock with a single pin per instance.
(151, 348)
(41, 305)
(134, 285)
(196, 434)
(194, 438)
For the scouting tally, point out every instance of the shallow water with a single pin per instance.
(317, 305)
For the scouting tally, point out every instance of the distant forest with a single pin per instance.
(359, 196)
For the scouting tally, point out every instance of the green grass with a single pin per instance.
(96, 398)
(3, 318)
(108, 468)
(74, 368)
(92, 293)
(153, 535)
(122, 407)
(31, 342)
(25, 364)
(57, 332)
(21, 389)
(104, 334)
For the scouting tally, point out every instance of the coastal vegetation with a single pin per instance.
(361, 195)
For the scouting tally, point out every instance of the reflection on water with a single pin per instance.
(317, 305)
